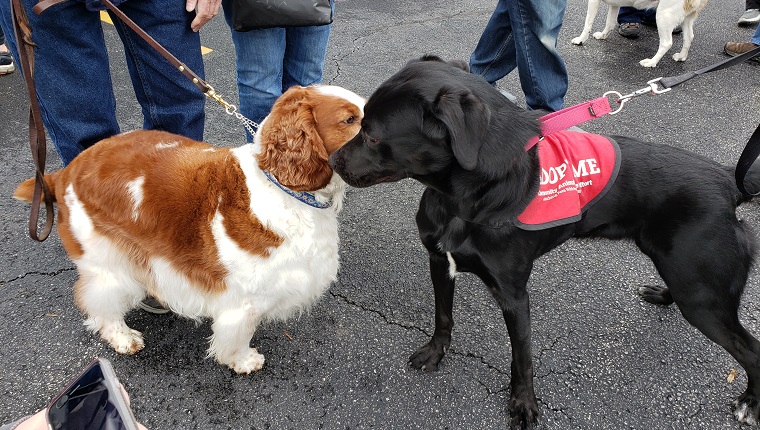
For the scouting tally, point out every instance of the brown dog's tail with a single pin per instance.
(25, 190)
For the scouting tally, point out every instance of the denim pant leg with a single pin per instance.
(271, 60)
(756, 37)
(494, 56)
(305, 50)
(71, 76)
(168, 99)
(633, 15)
(523, 33)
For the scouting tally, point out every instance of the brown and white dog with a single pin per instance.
(239, 235)
(670, 14)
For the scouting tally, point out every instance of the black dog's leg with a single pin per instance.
(429, 355)
(523, 407)
(706, 280)
(656, 294)
(721, 325)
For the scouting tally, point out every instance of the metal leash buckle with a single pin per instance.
(651, 88)
(231, 109)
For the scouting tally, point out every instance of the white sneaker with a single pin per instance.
(750, 16)
(6, 64)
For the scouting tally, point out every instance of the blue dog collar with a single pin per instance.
(303, 196)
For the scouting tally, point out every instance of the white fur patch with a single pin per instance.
(135, 189)
(344, 94)
(452, 266)
(164, 145)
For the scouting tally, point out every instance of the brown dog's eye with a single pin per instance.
(351, 120)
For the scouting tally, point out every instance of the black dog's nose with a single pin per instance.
(337, 163)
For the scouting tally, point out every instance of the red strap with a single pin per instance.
(573, 115)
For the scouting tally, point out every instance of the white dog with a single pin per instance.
(670, 13)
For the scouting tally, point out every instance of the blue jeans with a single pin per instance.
(72, 75)
(640, 16)
(522, 34)
(756, 37)
(269, 61)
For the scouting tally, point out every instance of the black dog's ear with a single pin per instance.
(430, 57)
(466, 117)
(459, 64)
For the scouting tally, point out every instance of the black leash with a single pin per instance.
(746, 160)
(672, 81)
(752, 149)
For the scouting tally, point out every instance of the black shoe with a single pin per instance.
(153, 306)
(630, 30)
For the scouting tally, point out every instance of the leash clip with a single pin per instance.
(651, 88)
(231, 109)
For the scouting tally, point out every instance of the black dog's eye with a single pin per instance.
(369, 139)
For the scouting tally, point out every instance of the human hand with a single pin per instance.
(204, 11)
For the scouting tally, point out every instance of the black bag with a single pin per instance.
(256, 14)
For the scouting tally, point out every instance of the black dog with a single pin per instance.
(452, 131)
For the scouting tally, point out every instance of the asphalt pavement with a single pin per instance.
(603, 358)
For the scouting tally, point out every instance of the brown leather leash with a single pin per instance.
(37, 141)
(23, 33)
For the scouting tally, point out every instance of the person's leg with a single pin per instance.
(494, 55)
(71, 75)
(629, 14)
(305, 52)
(755, 37)
(169, 100)
(543, 76)
(258, 58)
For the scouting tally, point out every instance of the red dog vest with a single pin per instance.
(577, 169)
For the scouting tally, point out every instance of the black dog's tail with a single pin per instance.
(751, 183)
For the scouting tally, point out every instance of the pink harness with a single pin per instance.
(577, 169)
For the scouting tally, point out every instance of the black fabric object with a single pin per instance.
(257, 14)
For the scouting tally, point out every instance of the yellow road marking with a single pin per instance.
(105, 17)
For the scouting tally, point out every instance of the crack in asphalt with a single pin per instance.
(389, 321)
(378, 313)
(56, 273)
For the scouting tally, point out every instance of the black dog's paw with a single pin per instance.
(656, 294)
(523, 414)
(429, 355)
(747, 409)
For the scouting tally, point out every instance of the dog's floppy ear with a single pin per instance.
(460, 64)
(466, 117)
(292, 150)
